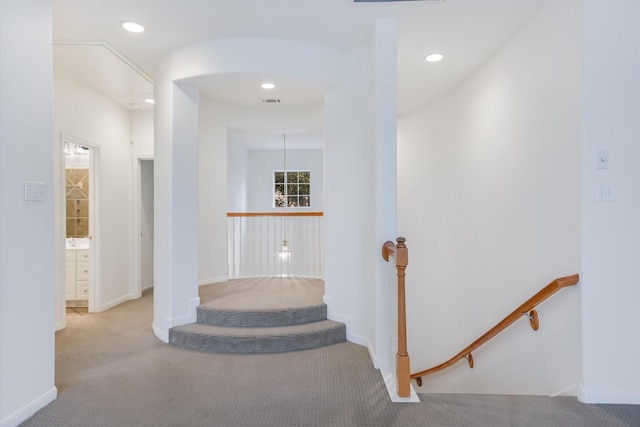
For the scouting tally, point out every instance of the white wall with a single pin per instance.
(359, 216)
(237, 177)
(349, 202)
(142, 132)
(175, 295)
(82, 112)
(212, 233)
(611, 232)
(262, 164)
(27, 266)
(489, 200)
(384, 134)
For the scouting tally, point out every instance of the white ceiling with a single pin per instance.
(467, 32)
(103, 69)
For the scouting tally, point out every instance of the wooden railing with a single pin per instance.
(401, 255)
(254, 214)
(526, 309)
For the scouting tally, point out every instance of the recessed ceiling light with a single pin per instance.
(133, 27)
(150, 100)
(267, 85)
(434, 57)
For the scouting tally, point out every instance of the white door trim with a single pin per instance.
(60, 251)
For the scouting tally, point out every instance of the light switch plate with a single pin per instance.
(34, 191)
(604, 192)
(603, 160)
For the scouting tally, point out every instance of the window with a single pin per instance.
(292, 186)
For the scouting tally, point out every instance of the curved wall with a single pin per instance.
(304, 64)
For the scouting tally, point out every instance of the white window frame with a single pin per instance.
(286, 188)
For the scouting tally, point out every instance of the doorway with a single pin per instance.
(144, 213)
(79, 221)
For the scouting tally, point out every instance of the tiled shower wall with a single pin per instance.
(77, 186)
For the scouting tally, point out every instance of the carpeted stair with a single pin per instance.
(258, 331)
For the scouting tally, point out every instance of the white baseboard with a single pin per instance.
(193, 309)
(160, 334)
(390, 381)
(190, 317)
(616, 397)
(211, 280)
(146, 288)
(351, 336)
(343, 318)
(116, 301)
(569, 391)
(358, 339)
(372, 354)
(29, 409)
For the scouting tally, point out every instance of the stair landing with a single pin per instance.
(263, 293)
(261, 315)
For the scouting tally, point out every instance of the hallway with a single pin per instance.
(112, 371)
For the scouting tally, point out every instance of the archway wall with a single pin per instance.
(360, 192)
(347, 79)
(304, 64)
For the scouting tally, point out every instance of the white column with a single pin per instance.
(385, 171)
(386, 200)
(176, 206)
(610, 277)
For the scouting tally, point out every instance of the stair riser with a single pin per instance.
(257, 319)
(257, 344)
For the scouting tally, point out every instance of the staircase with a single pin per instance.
(256, 331)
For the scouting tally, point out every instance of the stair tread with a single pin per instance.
(206, 329)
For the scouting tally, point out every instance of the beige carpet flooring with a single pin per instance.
(263, 293)
(112, 371)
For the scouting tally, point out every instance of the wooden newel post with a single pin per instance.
(403, 375)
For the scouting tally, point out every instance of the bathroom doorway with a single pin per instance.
(80, 176)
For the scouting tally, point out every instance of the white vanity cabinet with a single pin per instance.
(71, 274)
(77, 275)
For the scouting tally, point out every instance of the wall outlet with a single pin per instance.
(35, 191)
(604, 192)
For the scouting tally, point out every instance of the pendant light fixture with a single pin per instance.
(284, 252)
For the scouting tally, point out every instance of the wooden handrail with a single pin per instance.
(526, 309)
(401, 255)
(252, 214)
